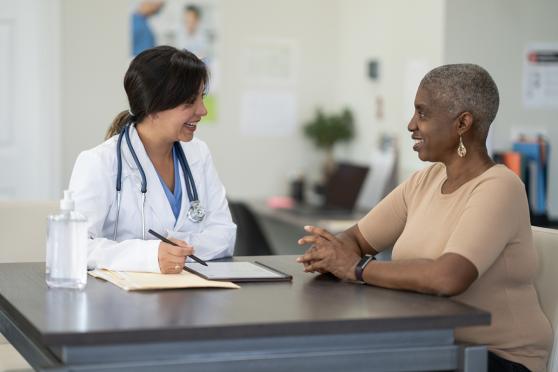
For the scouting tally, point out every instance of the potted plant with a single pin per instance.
(327, 130)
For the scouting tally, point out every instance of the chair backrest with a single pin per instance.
(546, 243)
(23, 230)
(250, 238)
(343, 186)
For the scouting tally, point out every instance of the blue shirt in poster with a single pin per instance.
(142, 36)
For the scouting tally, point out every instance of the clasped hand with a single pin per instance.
(327, 254)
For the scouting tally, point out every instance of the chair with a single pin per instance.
(546, 242)
(250, 238)
(23, 232)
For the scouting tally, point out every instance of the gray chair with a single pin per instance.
(546, 243)
(250, 238)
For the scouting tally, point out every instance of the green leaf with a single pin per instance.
(327, 130)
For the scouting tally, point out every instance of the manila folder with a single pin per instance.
(135, 281)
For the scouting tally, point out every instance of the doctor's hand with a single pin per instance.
(172, 258)
(328, 254)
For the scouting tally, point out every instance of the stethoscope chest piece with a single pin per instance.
(196, 213)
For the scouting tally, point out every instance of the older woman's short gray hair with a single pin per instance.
(465, 87)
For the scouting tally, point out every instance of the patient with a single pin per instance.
(459, 227)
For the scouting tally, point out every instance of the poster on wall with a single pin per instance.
(184, 24)
(270, 62)
(268, 104)
(540, 76)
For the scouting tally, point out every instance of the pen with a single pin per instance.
(157, 235)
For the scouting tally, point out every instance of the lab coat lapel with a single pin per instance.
(184, 204)
(192, 159)
(156, 200)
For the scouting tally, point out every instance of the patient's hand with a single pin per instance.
(328, 254)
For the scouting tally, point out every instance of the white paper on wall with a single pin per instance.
(268, 113)
(540, 76)
(270, 62)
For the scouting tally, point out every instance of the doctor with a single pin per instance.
(151, 173)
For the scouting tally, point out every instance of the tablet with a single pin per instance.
(238, 272)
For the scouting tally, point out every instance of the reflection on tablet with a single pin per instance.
(237, 271)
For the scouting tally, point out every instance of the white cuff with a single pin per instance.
(151, 256)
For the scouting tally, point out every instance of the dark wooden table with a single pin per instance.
(314, 323)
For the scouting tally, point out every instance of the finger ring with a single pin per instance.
(177, 267)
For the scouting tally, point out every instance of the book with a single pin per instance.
(512, 160)
(135, 281)
(534, 165)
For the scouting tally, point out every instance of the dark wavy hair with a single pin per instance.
(159, 79)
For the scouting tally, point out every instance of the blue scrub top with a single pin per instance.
(175, 200)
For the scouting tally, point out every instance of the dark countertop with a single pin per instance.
(299, 217)
(309, 305)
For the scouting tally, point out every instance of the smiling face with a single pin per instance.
(180, 123)
(434, 129)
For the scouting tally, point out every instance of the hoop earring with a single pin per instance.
(461, 150)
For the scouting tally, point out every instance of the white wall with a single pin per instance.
(397, 34)
(494, 34)
(95, 57)
(29, 94)
(333, 40)
(256, 167)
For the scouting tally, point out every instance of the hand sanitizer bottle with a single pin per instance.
(66, 251)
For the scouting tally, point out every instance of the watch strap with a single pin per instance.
(359, 269)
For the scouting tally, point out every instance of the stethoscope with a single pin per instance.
(196, 213)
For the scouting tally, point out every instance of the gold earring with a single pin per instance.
(461, 150)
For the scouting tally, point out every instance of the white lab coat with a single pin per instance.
(93, 183)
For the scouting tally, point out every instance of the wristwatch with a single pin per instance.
(359, 269)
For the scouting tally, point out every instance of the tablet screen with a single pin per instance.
(236, 271)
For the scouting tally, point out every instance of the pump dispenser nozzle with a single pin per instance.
(67, 204)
